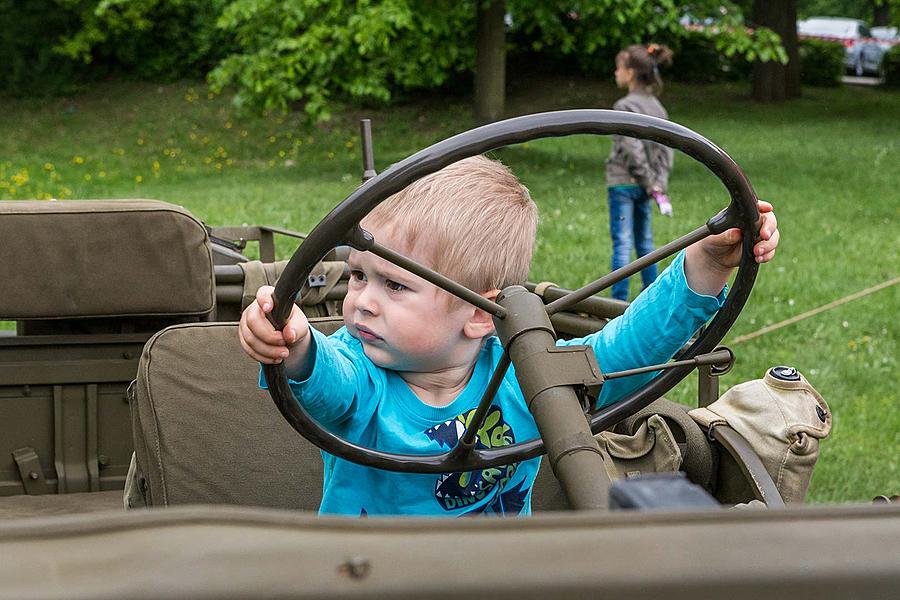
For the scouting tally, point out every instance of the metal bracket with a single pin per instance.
(30, 471)
(316, 281)
(708, 378)
(764, 488)
(562, 365)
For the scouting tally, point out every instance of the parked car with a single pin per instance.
(864, 53)
(887, 37)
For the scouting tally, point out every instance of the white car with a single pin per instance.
(887, 37)
(864, 53)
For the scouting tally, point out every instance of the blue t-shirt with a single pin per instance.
(371, 406)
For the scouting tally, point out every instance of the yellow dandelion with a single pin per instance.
(140, 141)
(119, 151)
(48, 166)
(272, 139)
(78, 160)
(330, 155)
(228, 125)
(101, 174)
(229, 162)
(193, 136)
(244, 133)
(138, 179)
(156, 165)
(87, 176)
(282, 153)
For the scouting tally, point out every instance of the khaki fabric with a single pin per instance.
(651, 448)
(312, 299)
(103, 258)
(698, 460)
(205, 433)
(782, 420)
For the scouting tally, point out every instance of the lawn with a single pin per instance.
(828, 161)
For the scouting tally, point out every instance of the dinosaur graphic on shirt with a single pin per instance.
(470, 489)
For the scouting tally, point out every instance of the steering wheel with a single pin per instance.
(341, 226)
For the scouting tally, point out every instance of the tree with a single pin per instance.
(310, 53)
(490, 62)
(774, 81)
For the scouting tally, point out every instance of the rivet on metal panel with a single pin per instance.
(127, 355)
(356, 567)
(33, 475)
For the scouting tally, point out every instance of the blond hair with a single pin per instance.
(474, 219)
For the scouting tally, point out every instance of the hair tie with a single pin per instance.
(652, 48)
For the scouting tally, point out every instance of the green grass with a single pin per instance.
(828, 161)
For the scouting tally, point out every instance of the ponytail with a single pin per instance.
(645, 62)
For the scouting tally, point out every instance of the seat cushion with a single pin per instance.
(103, 258)
(204, 432)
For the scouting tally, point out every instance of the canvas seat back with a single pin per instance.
(204, 432)
(86, 282)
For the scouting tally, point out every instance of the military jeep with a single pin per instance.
(141, 459)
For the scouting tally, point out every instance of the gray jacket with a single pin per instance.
(645, 163)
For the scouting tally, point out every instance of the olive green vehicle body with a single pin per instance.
(125, 368)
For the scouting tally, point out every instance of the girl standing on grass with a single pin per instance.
(637, 170)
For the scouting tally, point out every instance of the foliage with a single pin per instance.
(312, 51)
(149, 39)
(821, 62)
(30, 66)
(891, 67)
(53, 46)
(698, 60)
(281, 53)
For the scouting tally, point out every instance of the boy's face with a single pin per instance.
(404, 322)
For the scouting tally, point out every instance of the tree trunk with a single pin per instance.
(490, 65)
(881, 13)
(772, 81)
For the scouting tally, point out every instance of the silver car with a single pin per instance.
(864, 54)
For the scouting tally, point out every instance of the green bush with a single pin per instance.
(891, 67)
(57, 45)
(147, 39)
(30, 65)
(696, 59)
(821, 62)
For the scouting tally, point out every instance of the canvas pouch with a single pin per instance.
(651, 448)
(783, 418)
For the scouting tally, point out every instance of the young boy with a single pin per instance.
(408, 369)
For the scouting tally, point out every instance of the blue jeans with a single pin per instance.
(629, 225)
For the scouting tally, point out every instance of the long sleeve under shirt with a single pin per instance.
(374, 407)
